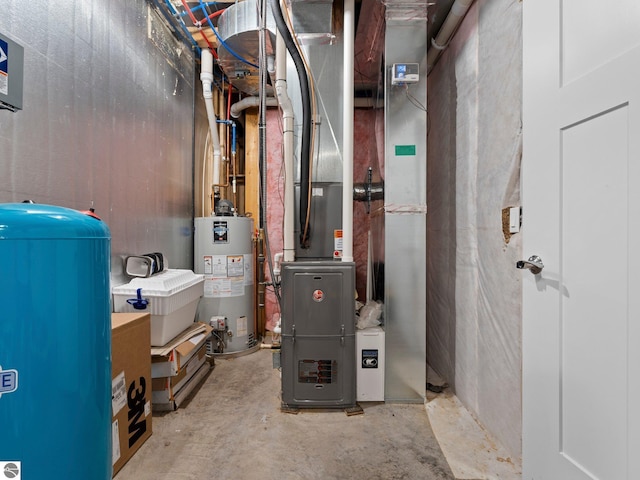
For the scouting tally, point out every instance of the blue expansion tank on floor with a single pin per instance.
(55, 344)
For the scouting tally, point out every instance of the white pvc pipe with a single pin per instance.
(248, 102)
(441, 41)
(222, 128)
(287, 141)
(206, 77)
(347, 135)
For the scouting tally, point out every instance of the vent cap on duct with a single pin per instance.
(313, 21)
(239, 29)
(406, 9)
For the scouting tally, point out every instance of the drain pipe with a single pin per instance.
(248, 102)
(206, 76)
(441, 41)
(347, 135)
(287, 143)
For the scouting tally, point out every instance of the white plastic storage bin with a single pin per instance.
(172, 297)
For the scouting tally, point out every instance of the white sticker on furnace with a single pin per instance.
(11, 470)
(118, 393)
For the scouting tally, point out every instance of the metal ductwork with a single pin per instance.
(238, 54)
(405, 192)
(312, 21)
(406, 9)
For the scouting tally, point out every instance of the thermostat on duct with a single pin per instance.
(403, 73)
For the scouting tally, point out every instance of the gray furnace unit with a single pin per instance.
(318, 334)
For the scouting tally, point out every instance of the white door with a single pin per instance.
(581, 216)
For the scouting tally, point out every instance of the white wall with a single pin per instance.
(474, 290)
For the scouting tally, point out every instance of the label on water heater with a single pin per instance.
(8, 381)
(220, 232)
(10, 470)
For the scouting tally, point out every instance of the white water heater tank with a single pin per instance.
(223, 253)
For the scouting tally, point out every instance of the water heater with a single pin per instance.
(55, 329)
(223, 253)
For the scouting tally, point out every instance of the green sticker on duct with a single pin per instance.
(405, 150)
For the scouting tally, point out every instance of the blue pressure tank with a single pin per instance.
(55, 344)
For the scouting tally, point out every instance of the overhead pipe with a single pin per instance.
(177, 26)
(195, 23)
(287, 141)
(206, 76)
(225, 167)
(248, 102)
(233, 157)
(347, 129)
(219, 108)
(441, 41)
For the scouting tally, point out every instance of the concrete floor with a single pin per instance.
(232, 428)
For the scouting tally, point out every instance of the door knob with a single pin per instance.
(534, 264)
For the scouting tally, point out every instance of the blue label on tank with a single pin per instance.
(8, 381)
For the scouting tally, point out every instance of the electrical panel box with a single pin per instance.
(318, 334)
(403, 73)
(370, 365)
(11, 74)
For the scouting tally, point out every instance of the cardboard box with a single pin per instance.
(168, 360)
(184, 392)
(131, 384)
(165, 389)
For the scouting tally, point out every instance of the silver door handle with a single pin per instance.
(534, 264)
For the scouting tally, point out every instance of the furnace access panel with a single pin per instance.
(318, 334)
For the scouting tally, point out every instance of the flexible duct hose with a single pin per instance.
(305, 157)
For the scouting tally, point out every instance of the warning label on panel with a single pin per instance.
(223, 287)
(235, 265)
(215, 265)
(4, 67)
(337, 240)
